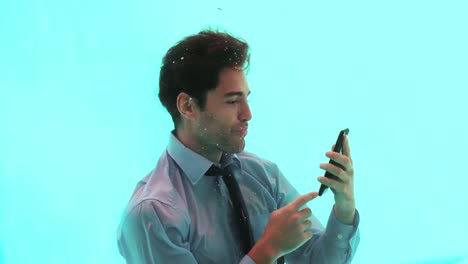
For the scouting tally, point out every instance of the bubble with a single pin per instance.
(182, 58)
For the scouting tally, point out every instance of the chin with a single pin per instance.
(234, 149)
(233, 146)
(239, 149)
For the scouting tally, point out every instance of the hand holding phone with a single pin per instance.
(338, 148)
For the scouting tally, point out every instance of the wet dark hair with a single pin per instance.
(193, 66)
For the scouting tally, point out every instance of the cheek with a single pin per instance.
(220, 124)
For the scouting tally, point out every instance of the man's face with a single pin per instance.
(223, 125)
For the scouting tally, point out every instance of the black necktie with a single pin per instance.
(240, 208)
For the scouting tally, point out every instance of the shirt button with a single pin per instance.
(339, 236)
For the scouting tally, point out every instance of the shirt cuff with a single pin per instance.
(246, 260)
(340, 234)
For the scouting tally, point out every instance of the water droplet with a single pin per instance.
(181, 58)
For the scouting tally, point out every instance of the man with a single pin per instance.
(179, 214)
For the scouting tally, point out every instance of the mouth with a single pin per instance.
(242, 131)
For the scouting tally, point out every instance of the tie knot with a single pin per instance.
(216, 171)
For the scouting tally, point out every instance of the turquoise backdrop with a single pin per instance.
(80, 121)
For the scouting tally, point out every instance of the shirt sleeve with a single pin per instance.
(337, 243)
(146, 239)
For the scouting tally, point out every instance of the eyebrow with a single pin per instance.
(235, 94)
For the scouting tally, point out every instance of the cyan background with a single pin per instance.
(80, 121)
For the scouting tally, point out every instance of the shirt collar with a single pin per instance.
(193, 164)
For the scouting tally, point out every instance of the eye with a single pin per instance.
(235, 101)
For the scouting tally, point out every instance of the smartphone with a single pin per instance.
(338, 148)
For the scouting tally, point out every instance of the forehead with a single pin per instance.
(232, 82)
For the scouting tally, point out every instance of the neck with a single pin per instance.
(189, 141)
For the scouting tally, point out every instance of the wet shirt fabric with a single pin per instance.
(176, 214)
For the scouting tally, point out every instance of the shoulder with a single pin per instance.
(156, 199)
(153, 213)
(157, 196)
(153, 209)
(150, 221)
(162, 189)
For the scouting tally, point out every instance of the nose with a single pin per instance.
(245, 114)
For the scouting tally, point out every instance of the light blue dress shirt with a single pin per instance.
(178, 215)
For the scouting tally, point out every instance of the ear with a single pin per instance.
(187, 105)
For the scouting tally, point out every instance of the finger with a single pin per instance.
(336, 171)
(302, 200)
(343, 160)
(304, 237)
(306, 225)
(307, 235)
(339, 186)
(304, 214)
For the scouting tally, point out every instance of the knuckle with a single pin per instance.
(287, 211)
(342, 175)
(289, 207)
(307, 235)
(346, 160)
(339, 172)
(307, 223)
(295, 218)
(274, 213)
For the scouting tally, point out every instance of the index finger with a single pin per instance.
(302, 200)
